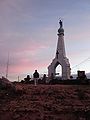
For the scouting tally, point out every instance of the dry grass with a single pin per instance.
(46, 102)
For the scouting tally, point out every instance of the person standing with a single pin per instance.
(35, 76)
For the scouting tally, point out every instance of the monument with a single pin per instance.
(60, 58)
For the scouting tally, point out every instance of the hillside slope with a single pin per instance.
(46, 102)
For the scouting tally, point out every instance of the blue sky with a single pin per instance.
(28, 31)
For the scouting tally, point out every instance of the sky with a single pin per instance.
(28, 33)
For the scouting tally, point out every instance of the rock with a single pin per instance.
(6, 84)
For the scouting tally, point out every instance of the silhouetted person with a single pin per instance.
(44, 78)
(71, 77)
(36, 76)
(27, 79)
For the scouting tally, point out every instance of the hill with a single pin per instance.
(46, 102)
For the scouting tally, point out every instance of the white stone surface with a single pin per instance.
(60, 57)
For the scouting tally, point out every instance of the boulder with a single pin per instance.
(6, 84)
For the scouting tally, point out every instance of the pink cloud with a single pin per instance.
(27, 65)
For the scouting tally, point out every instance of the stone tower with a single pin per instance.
(60, 57)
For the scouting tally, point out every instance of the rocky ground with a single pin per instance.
(45, 102)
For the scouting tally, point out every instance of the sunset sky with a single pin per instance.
(28, 32)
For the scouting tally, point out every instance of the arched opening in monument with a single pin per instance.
(58, 70)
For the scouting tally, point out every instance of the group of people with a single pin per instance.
(36, 78)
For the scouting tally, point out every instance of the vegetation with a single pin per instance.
(46, 102)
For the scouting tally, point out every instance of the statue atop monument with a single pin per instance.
(60, 22)
(61, 30)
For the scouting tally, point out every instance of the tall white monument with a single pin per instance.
(60, 57)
